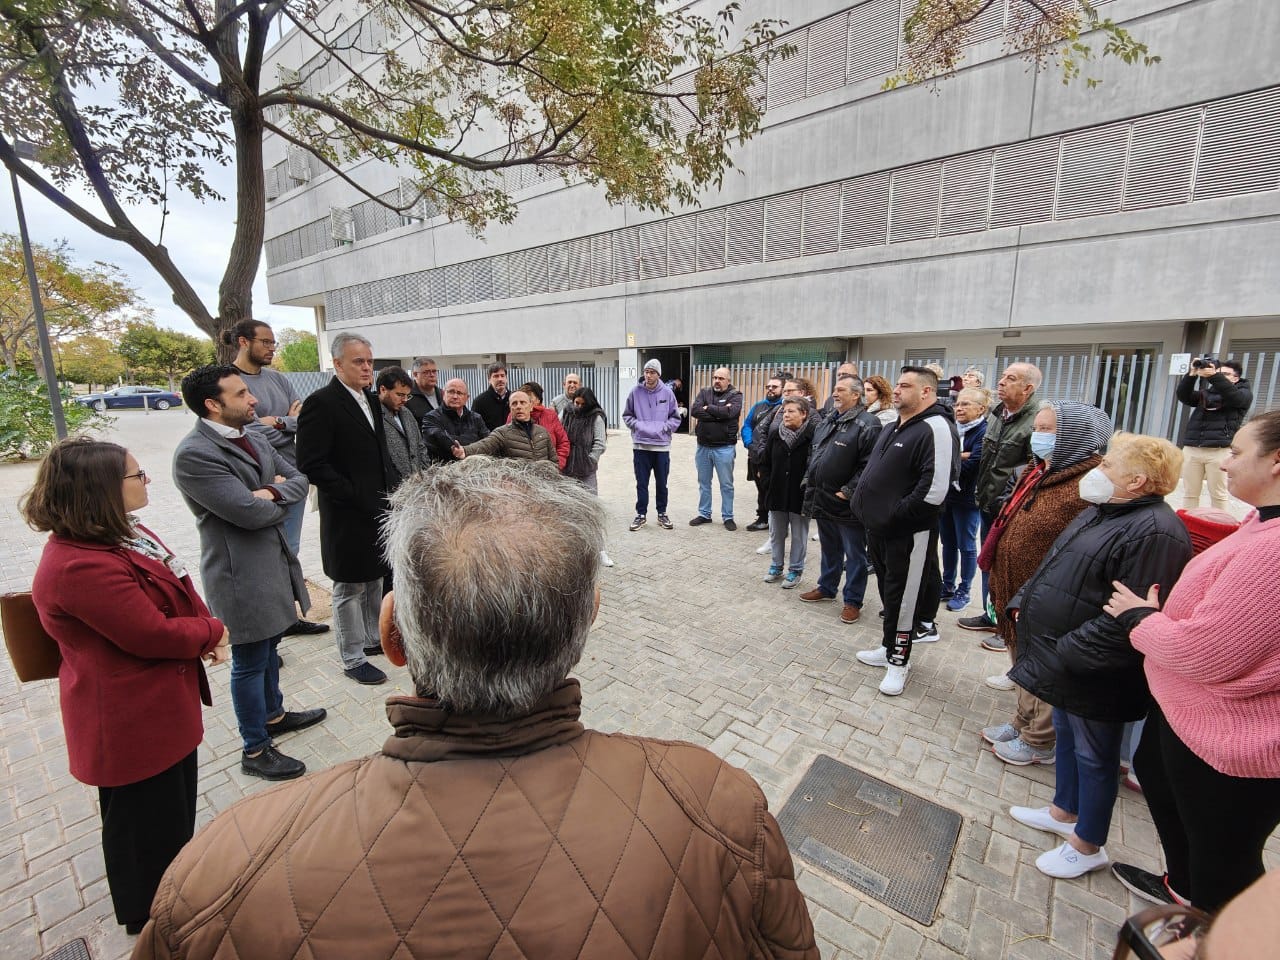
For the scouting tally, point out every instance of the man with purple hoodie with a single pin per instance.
(651, 414)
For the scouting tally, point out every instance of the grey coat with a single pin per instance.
(251, 579)
(404, 445)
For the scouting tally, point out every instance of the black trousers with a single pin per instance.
(762, 489)
(1212, 826)
(910, 586)
(144, 825)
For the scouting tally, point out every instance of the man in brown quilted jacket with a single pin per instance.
(492, 823)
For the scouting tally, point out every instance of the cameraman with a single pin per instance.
(1219, 397)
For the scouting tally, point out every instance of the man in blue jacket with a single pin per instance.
(651, 414)
(898, 499)
(760, 412)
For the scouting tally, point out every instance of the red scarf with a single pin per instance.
(1027, 484)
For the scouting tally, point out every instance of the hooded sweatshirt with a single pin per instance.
(651, 416)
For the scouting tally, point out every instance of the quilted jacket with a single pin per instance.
(471, 836)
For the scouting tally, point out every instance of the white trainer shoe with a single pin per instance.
(895, 678)
(604, 559)
(1067, 863)
(999, 681)
(1039, 818)
(875, 657)
(765, 548)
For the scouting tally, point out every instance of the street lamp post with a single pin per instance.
(27, 151)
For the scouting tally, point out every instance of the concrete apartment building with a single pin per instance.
(1000, 213)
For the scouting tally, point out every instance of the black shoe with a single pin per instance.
(755, 525)
(375, 651)
(132, 928)
(271, 764)
(301, 627)
(699, 520)
(730, 525)
(665, 522)
(296, 720)
(637, 523)
(1149, 886)
(921, 634)
(367, 674)
(981, 623)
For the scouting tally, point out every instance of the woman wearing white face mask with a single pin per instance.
(1066, 444)
(1077, 657)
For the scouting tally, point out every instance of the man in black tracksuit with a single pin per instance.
(898, 500)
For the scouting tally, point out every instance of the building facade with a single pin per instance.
(999, 213)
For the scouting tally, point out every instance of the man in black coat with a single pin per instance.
(494, 405)
(899, 499)
(842, 444)
(425, 394)
(452, 423)
(342, 449)
(1219, 398)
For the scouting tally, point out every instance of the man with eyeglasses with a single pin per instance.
(426, 394)
(277, 420)
(452, 423)
(403, 434)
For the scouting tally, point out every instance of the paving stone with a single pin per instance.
(843, 934)
(56, 902)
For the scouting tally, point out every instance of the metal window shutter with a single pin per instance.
(450, 281)
(711, 239)
(653, 250)
(299, 164)
(786, 75)
(919, 356)
(579, 254)
(913, 209)
(1240, 146)
(416, 289)
(557, 267)
(1023, 182)
(602, 259)
(1161, 157)
(828, 43)
(873, 39)
(477, 284)
(682, 244)
(989, 24)
(626, 254)
(518, 273)
(864, 214)
(539, 270)
(1091, 176)
(821, 223)
(782, 226)
(744, 232)
(966, 185)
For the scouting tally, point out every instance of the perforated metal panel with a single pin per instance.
(782, 226)
(876, 837)
(913, 210)
(1091, 177)
(539, 270)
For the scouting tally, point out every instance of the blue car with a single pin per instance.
(154, 398)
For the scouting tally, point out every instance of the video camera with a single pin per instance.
(1199, 363)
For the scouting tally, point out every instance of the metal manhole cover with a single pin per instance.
(888, 843)
(75, 950)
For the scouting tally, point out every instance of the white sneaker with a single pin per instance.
(875, 657)
(766, 547)
(604, 559)
(895, 678)
(814, 538)
(1067, 863)
(1039, 818)
(999, 681)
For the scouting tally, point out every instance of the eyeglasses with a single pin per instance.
(141, 475)
(1162, 933)
(265, 343)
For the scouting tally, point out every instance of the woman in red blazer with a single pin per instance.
(132, 631)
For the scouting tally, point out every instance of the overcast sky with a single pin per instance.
(198, 236)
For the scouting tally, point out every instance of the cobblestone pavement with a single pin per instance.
(689, 644)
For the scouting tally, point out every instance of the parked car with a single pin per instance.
(154, 398)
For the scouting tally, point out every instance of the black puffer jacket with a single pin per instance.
(785, 468)
(842, 442)
(1071, 654)
(1220, 406)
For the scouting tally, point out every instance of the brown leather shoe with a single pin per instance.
(850, 613)
(815, 596)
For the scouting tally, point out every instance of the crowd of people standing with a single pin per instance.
(1088, 582)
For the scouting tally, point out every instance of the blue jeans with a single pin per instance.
(721, 460)
(255, 690)
(844, 548)
(293, 515)
(657, 462)
(1132, 736)
(958, 532)
(1088, 757)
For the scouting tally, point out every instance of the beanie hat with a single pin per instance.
(654, 365)
(1207, 527)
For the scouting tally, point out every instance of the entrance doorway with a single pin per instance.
(676, 365)
(1125, 377)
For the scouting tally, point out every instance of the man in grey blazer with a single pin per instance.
(239, 488)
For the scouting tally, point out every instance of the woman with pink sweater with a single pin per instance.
(1209, 760)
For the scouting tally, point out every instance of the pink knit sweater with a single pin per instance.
(1213, 653)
